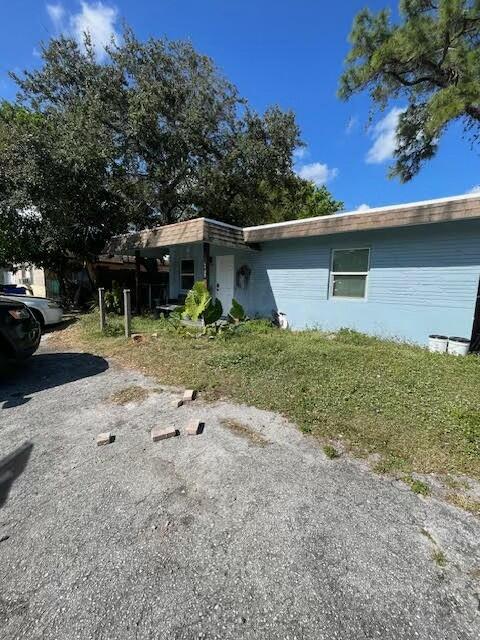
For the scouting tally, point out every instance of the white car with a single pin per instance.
(46, 311)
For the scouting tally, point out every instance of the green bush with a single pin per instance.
(113, 299)
(199, 305)
(237, 312)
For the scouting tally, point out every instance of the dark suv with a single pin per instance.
(19, 331)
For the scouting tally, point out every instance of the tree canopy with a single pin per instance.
(431, 58)
(150, 135)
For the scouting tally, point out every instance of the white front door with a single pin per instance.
(224, 286)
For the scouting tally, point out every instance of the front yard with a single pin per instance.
(417, 411)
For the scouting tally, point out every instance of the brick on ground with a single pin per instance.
(195, 427)
(104, 438)
(161, 433)
(189, 395)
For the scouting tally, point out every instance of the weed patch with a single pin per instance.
(129, 394)
(464, 502)
(244, 431)
(417, 486)
(439, 557)
(330, 452)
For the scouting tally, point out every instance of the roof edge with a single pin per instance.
(355, 212)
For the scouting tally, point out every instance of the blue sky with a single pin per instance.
(285, 52)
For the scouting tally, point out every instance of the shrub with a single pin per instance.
(199, 305)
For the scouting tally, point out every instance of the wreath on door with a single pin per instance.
(243, 276)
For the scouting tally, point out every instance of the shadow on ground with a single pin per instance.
(11, 467)
(44, 371)
(67, 321)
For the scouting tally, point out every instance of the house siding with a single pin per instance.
(422, 280)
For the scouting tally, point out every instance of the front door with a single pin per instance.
(224, 275)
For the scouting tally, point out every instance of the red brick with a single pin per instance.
(189, 395)
(104, 438)
(161, 433)
(195, 427)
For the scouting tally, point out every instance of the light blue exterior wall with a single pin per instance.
(422, 280)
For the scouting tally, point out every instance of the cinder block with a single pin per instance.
(177, 403)
(189, 395)
(104, 438)
(161, 433)
(195, 427)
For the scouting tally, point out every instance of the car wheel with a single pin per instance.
(39, 318)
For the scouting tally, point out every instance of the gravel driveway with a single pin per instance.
(243, 533)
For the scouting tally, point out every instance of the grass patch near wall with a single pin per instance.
(418, 410)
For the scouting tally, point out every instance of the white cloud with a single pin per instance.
(385, 137)
(301, 153)
(362, 207)
(95, 18)
(475, 189)
(99, 21)
(317, 172)
(56, 13)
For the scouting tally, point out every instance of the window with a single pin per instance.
(187, 274)
(348, 276)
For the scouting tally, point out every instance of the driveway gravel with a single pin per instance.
(245, 531)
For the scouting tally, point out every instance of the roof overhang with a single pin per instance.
(187, 232)
(419, 213)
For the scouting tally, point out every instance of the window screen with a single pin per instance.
(349, 273)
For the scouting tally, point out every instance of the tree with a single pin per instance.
(152, 135)
(431, 58)
(54, 206)
(302, 199)
(175, 135)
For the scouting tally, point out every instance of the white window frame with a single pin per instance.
(182, 260)
(348, 273)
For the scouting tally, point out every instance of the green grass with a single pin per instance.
(418, 410)
(330, 452)
(417, 486)
(439, 557)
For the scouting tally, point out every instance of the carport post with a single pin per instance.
(128, 312)
(101, 305)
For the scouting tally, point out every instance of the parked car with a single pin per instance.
(20, 332)
(46, 311)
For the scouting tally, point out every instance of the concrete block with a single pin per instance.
(177, 403)
(104, 438)
(195, 427)
(161, 433)
(189, 395)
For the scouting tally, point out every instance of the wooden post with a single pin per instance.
(127, 312)
(206, 264)
(101, 305)
(137, 282)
